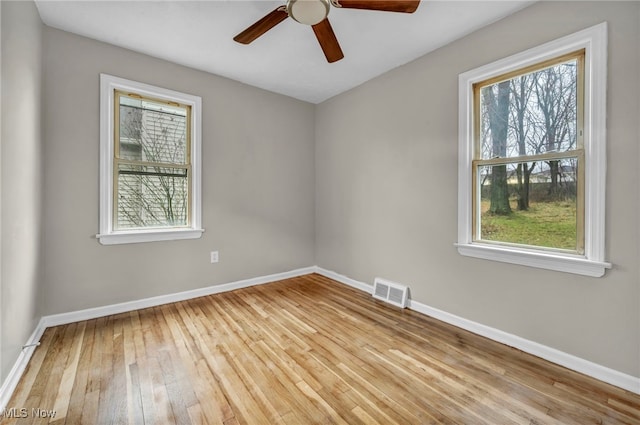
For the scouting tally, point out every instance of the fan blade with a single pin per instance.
(405, 6)
(328, 41)
(263, 25)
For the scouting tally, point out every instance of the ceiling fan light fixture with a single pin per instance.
(308, 12)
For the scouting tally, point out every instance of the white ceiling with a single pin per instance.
(288, 58)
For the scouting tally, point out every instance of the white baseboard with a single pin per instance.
(344, 279)
(93, 313)
(10, 383)
(594, 370)
(561, 358)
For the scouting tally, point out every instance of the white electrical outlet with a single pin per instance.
(214, 256)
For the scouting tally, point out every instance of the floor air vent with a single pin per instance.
(390, 292)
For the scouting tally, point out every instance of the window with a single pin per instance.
(532, 146)
(149, 163)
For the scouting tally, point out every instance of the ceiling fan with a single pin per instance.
(314, 13)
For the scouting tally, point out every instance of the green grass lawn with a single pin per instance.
(546, 224)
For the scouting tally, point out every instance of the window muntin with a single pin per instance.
(528, 156)
(151, 163)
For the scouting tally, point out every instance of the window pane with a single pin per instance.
(152, 131)
(151, 197)
(530, 203)
(530, 114)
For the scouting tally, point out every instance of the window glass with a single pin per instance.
(547, 220)
(528, 155)
(530, 114)
(152, 196)
(151, 163)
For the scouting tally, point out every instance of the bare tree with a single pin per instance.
(555, 90)
(497, 105)
(521, 90)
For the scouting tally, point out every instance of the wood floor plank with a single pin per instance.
(70, 374)
(305, 350)
(213, 403)
(81, 378)
(61, 356)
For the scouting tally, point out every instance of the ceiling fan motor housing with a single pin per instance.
(308, 12)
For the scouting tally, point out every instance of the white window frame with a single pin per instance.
(592, 262)
(108, 235)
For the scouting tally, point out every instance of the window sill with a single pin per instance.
(154, 235)
(551, 261)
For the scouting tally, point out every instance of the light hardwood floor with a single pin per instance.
(306, 350)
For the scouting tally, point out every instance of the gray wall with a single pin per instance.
(386, 188)
(21, 189)
(258, 181)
